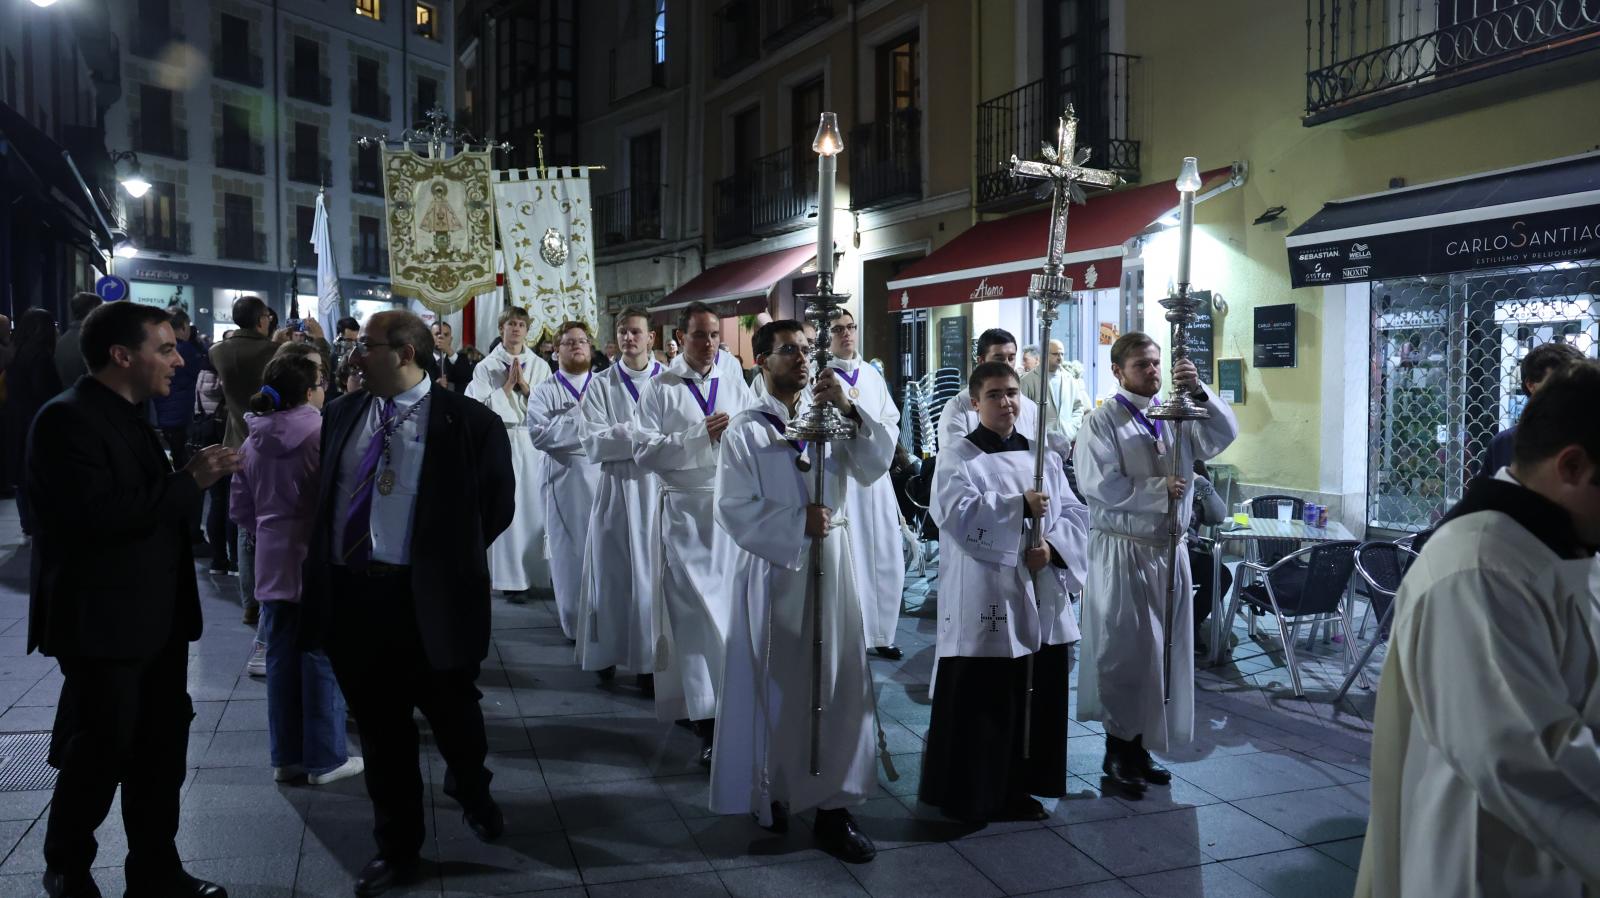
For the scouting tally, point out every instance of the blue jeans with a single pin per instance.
(247, 571)
(305, 709)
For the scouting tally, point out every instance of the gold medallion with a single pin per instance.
(802, 463)
(386, 482)
(855, 393)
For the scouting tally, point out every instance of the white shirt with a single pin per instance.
(391, 514)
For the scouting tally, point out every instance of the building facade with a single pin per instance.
(239, 112)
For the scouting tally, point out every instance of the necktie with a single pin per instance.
(358, 519)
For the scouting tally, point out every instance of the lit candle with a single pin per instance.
(828, 145)
(1188, 183)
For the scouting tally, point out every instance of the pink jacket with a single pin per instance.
(274, 495)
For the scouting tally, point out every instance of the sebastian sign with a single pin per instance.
(1556, 236)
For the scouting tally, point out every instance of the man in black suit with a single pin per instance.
(114, 601)
(453, 369)
(416, 483)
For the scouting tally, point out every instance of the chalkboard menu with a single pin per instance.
(1230, 380)
(953, 352)
(1275, 336)
(1201, 335)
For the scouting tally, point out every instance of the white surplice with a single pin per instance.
(960, 417)
(763, 743)
(874, 513)
(556, 425)
(689, 568)
(989, 604)
(517, 558)
(614, 614)
(1069, 400)
(1122, 473)
(1486, 736)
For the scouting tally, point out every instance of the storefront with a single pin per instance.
(1460, 279)
(759, 285)
(205, 292)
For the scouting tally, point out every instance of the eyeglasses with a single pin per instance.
(842, 329)
(569, 344)
(363, 345)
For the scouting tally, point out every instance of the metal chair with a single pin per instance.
(918, 489)
(1269, 551)
(1307, 586)
(1381, 566)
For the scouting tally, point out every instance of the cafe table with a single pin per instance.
(1259, 528)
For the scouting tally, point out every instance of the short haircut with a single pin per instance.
(1549, 423)
(248, 312)
(767, 334)
(1545, 358)
(578, 325)
(180, 318)
(1128, 344)
(1030, 350)
(116, 324)
(346, 324)
(511, 313)
(692, 309)
(293, 370)
(404, 328)
(632, 312)
(81, 304)
(994, 336)
(988, 371)
(444, 324)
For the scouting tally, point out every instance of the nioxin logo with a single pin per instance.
(984, 291)
(1360, 251)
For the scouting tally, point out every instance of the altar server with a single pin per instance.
(765, 503)
(1485, 766)
(959, 417)
(1069, 399)
(1124, 463)
(1002, 599)
(503, 381)
(614, 619)
(681, 421)
(556, 426)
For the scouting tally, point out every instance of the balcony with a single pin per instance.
(311, 87)
(373, 104)
(1019, 122)
(240, 155)
(151, 41)
(241, 245)
(1370, 54)
(788, 19)
(370, 183)
(635, 66)
(886, 161)
(169, 140)
(633, 213)
(773, 194)
(376, 261)
(176, 240)
(239, 66)
(736, 29)
(311, 169)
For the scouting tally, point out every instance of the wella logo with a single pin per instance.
(1360, 251)
(984, 291)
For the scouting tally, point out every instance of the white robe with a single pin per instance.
(763, 742)
(874, 512)
(1124, 480)
(517, 558)
(1069, 401)
(556, 426)
(688, 567)
(960, 417)
(989, 604)
(614, 618)
(1485, 762)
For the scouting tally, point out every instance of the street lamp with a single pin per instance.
(123, 245)
(44, 3)
(133, 181)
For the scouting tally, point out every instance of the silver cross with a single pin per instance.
(1064, 168)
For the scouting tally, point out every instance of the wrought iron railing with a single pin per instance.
(310, 169)
(245, 246)
(369, 103)
(886, 161)
(788, 19)
(176, 239)
(774, 193)
(1366, 53)
(1020, 121)
(632, 213)
(171, 141)
(243, 68)
(240, 155)
(736, 30)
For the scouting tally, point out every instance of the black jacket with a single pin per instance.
(113, 571)
(465, 498)
(459, 372)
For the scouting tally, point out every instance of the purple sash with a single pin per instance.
(850, 377)
(577, 392)
(706, 403)
(628, 381)
(1154, 427)
(781, 426)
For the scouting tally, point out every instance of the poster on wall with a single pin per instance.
(1274, 336)
(1201, 336)
(1230, 380)
(953, 343)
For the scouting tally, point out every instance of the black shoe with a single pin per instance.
(487, 822)
(646, 684)
(1025, 807)
(62, 885)
(608, 674)
(183, 886)
(837, 834)
(1123, 772)
(517, 597)
(780, 818)
(892, 652)
(252, 616)
(707, 731)
(1149, 770)
(381, 874)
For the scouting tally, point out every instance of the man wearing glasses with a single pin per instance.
(556, 427)
(396, 583)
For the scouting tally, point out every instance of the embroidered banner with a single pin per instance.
(545, 229)
(441, 233)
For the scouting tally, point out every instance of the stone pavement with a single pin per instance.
(601, 800)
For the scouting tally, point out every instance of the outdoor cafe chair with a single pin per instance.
(1269, 551)
(1381, 566)
(1306, 586)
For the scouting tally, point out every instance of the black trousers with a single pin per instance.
(378, 659)
(121, 722)
(1204, 601)
(221, 532)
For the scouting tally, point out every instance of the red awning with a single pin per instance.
(736, 288)
(995, 259)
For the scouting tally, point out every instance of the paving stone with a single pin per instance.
(1315, 815)
(922, 872)
(1262, 773)
(1209, 881)
(636, 851)
(1300, 873)
(823, 878)
(1345, 851)
(1030, 861)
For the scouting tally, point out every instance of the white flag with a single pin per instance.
(544, 223)
(328, 299)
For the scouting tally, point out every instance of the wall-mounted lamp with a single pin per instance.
(1272, 214)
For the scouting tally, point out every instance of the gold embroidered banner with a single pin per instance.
(441, 232)
(545, 226)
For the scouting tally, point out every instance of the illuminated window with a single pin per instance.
(426, 17)
(372, 9)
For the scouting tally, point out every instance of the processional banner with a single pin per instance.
(546, 236)
(441, 232)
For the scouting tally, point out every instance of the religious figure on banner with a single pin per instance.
(439, 220)
(441, 227)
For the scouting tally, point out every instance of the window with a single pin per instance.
(369, 178)
(805, 111)
(372, 9)
(305, 220)
(160, 215)
(369, 247)
(305, 81)
(238, 227)
(746, 138)
(306, 164)
(660, 55)
(236, 151)
(427, 21)
(367, 88)
(897, 75)
(11, 79)
(155, 120)
(235, 36)
(427, 96)
(644, 160)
